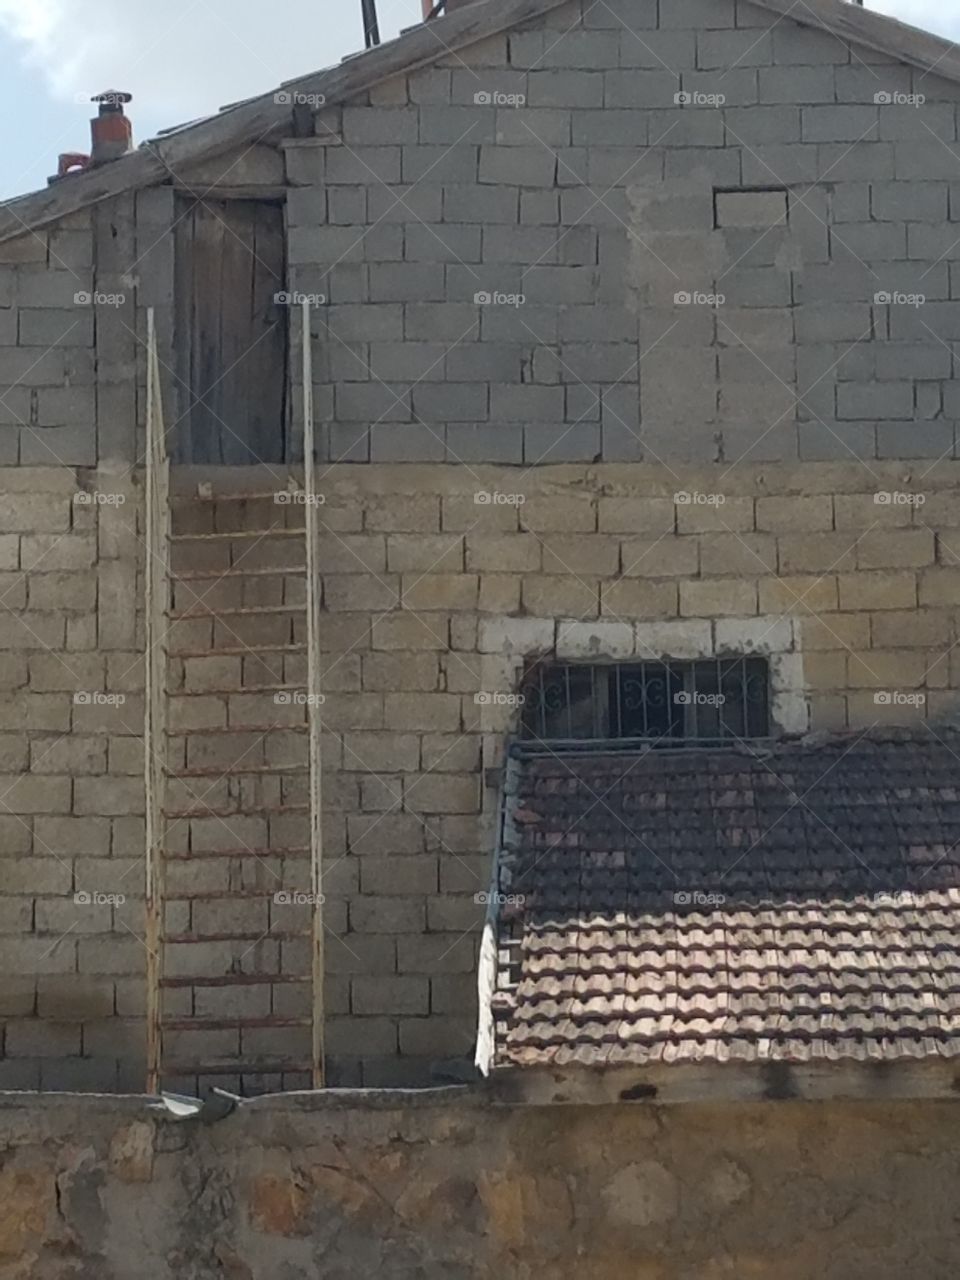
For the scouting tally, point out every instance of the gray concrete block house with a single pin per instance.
(632, 383)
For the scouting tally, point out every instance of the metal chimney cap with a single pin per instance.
(112, 97)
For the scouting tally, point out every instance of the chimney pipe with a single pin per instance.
(111, 132)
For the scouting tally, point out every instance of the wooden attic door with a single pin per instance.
(230, 334)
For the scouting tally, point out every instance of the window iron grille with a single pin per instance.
(670, 703)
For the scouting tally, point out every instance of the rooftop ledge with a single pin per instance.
(662, 1085)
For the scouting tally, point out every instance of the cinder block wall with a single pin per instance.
(595, 201)
(71, 781)
(432, 597)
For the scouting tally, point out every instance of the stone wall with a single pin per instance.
(519, 246)
(447, 1188)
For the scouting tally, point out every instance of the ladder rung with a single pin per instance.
(244, 728)
(243, 651)
(283, 851)
(225, 895)
(235, 980)
(231, 1067)
(237, 813)
(229, 1024)
(186, 499)
(247, 688)
(235, 771)
(192, 575)
(275, 531)
(197, 939)
(249, 611)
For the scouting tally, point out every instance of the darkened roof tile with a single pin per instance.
(799, 903)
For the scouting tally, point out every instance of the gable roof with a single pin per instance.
(261, 118)
(790, 904)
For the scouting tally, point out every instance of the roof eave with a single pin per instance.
(853, 1080)
(262, 118)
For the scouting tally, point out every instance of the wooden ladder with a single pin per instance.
(235, 905)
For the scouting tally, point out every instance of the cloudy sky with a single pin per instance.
(185, 58)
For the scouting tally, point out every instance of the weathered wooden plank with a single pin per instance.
(206, 357)
(180, 444)
(231, 335)
(268, 357)
(231, 386)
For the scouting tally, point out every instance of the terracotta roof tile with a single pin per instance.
(798, 902)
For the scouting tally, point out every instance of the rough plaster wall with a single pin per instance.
(456, 1190)
(594, 200)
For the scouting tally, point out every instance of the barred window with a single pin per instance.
(670, 703)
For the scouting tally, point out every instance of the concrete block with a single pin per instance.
(525, 245)
(484, 361)
(440, 164)
(801, 85)
(380, 126)
(372, 402)
(577, 50)
(840, 123)
(874, 400)
(869, 241)
(850, 202)
(396, 204)
(743, 47)
(484, 442)
(902, 121)
(659, 50)
(407, 282)
(561, 285)
(530, 166)
(751, 208)
(70, 446)
(429, 86)
(579, 89)
(806, 46)
(466, 84)
(452, 402)
(916, 439)
(638, 598)
(449, 126)
(358, 166)
(641, 89)
(525, 403)
(406, 442)
(383, 322)
(697, 15)
(781, 164)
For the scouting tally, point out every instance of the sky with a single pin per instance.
(185, 58)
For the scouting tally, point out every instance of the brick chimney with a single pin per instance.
(110, 130)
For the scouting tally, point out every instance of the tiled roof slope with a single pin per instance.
(833, 931)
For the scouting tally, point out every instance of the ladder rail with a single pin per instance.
(156, 590)
(312, 533)
(158, 581)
